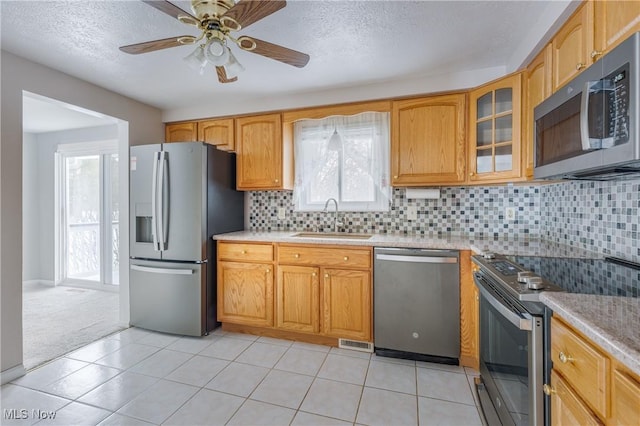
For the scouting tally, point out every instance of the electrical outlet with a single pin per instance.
(282, 213)
(510, 214)
(412, 213)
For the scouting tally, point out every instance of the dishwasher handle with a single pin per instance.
(416, 259)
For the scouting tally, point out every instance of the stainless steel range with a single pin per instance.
(514, 324)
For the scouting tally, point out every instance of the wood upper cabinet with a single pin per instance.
(263, 160)
(180, 132)
(537, 87)
(572, 46)
(220, 133)
(428, 141)
(615, 21)
(494, 131)
(245, 283)
(298, 298)
(469, 314)
(347, 304)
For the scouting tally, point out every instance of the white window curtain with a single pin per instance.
(342, 157)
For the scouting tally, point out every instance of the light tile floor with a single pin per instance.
(138, 377)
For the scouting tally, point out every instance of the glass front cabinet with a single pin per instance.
(494, 131)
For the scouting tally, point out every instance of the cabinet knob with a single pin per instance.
(326, 275)
(277, 180)
(268, 270)
(596, 53)
(564, 358)
(244, 252)
(346, 258)
(296, 255)
(395, 176)
(314, 275)
(472, 173)
(548, 390)
(579, 66)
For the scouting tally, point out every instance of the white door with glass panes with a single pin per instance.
(88, 214)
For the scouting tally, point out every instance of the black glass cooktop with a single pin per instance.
(608, 276)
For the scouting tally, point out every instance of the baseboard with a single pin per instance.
(49, 283)
(11, 374)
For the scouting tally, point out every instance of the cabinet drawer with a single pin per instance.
(342, 257)
(241, 252)
(584, 367)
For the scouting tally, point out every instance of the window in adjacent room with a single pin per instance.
(342, 157)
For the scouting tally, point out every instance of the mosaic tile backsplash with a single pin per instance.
(599, 216)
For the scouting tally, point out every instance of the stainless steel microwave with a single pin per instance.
(588, 129)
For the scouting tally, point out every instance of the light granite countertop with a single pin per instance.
(612, 322)
(504, 245)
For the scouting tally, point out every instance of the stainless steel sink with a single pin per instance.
(333, 235)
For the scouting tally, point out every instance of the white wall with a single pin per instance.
(18, 75)
(39, 192)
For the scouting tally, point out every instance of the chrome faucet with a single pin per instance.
(336, 222)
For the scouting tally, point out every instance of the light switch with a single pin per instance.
(282, 213)
(412, 213)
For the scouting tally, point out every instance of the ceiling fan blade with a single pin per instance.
(246, 12)
(222, 76)
(150, 46)
(168, 8)
(274, 51)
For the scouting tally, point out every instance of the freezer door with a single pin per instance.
(142, 234)
(182, 210)
(168, 297)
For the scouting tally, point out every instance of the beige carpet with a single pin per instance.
(57, 320)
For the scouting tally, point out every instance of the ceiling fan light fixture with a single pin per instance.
(233, 67)
(217, 52)
(197, 60)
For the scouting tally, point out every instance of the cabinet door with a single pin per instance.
(615, 21)
(567, 409)
(180, 132)
(625, 399)
(347, 304)
(537, 87)
(298, 298)
(259, 152)
(428, 141)
(245, 293)
(469, 317)
(572, 46)
(494, 132)
(220, 133)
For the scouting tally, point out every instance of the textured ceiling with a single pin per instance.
(351, 43)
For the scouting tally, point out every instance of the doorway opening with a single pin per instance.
(75, 289)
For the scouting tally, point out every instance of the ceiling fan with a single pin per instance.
(217, 19)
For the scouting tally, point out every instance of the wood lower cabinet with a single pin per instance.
(572, 45)
(567, 407)
(245, 293)
(245, 283)
(588, 386)
(347, 304)
(298, 298)
(428, 141)
(180, 132)
(469, 314)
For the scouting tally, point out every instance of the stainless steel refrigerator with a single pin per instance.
(180, 195)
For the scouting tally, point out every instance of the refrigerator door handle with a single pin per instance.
(165, 271)
(161, 238)
(154, 193)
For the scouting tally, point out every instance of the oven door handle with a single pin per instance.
(522, 320)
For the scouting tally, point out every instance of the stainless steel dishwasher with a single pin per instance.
(417, 304)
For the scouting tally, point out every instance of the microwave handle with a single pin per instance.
(584, 116)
